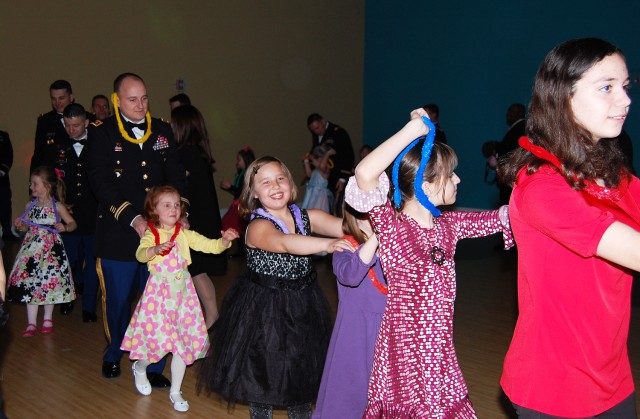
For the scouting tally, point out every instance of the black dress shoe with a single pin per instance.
(89, 317)
(66, 308)
(158, 381)
(110, 369)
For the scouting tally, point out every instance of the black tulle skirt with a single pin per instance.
(270, 342)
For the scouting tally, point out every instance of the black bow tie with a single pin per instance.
(141, 126)
(79, 141)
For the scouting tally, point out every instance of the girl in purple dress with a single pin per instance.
(415, 369)
(362, 295)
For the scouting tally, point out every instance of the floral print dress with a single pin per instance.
(41, 273)
(168, 317)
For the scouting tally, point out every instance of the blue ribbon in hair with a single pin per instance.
(417, 184)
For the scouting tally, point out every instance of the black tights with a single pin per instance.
(265, 411)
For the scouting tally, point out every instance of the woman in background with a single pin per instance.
(192, 137)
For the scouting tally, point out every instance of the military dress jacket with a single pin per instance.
(120, 174)
(79, 195)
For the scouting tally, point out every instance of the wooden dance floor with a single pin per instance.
(59, 375)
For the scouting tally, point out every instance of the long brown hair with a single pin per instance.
(350, 226)
(187, 124)
(553, 126)
(248, 202)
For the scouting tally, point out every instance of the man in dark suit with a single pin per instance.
(128, 154)
(517, 124)
(6, 161)
(50, 127)
(337, 138)
(80, 242)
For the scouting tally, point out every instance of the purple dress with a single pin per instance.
(343, 390)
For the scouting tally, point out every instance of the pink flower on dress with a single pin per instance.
(152, 345)
(133, 343)
(192, 302)
(151, 288)
(150, 306)
(149, 327)
(188, 321)
(167, 346)
(172, 263)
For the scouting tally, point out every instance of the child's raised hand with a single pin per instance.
(339, 245)
(228, 236)
(331, 152)
(225, 184)
(418, 113)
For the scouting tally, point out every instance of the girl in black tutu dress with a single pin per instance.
(269, 345)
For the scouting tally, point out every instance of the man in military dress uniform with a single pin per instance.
(50, 127)
(80, 242)
(126, 157)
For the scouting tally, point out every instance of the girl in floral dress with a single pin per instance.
(168, 317)
(415, 369)
(41, 273)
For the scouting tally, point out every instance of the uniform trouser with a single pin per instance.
(79, 248)
(120, 282)
(5, 209)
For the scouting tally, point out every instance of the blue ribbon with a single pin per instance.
(417, 185)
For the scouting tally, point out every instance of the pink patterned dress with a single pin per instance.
(168, 317)
(415, 371)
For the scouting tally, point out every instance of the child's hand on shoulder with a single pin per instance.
(228, 236)
(340, 245)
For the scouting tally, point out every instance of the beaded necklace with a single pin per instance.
(27, 221)
(123, 132)
(156, 235)
(297, 216)
(372, 274)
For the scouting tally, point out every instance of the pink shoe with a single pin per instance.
(30, 330)
(47, 327)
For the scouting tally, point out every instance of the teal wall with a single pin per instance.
(473, 60)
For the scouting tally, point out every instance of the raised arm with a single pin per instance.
(370, 168)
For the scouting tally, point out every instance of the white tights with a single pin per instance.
(32, 313)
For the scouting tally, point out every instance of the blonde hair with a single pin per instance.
(248, 203)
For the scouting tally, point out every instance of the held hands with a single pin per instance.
(340, 245)
(228, 236)
(225, 184)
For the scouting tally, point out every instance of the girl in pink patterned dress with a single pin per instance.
(168, 317)
(415, 371)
